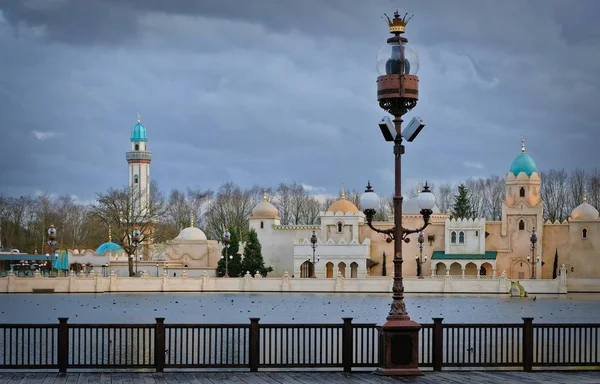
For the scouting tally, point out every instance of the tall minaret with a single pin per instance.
(139, 170)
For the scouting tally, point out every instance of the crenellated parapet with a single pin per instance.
(463, 223)
(296, 227)
(331, 241)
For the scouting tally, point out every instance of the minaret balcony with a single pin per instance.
(139, 155)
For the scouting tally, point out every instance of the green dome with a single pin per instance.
(138, 133)
(523, 163)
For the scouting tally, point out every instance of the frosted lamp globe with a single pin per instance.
(369, 200)
(426, 200)
(388, 59)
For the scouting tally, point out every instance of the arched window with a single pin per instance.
(136, 179)
(137, 147)
(521, 225)
(453, 237)
(262, 225)
(340, 227)
(584, 233)
(522, 192)
(461, 238)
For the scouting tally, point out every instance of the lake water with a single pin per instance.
(291, 308)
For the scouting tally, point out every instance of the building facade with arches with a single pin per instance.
(469, 248)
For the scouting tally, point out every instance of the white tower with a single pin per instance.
(139, 170)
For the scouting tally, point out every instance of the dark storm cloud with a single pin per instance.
(266, 91)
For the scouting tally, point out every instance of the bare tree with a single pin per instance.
(183, 206)
(120, 209)
(576, 189)
(444, 196)
(476, 188)
(231, 207)
(593, 188)
(494, 196)
(554, 194)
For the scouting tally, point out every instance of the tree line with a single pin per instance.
(24, 220)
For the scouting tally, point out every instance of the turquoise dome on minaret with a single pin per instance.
(523, 163)
(138, 132)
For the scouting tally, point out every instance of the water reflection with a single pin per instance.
(291, 308)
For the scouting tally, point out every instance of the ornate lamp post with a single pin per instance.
(52, 244)
(397, 93)
(420, 259)
(534, 260)
(313, 244)
(226, 241)
(136, 239)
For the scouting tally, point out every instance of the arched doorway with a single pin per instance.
(486, 269)
(353, 270)
(329, 268)
(342, 268)
(440, 269)
(456, 269)
(305, 269)
(521, 270)
(471, 269)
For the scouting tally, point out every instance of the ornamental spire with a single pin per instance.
(343, 195)
(584, 196)
(522, 144)
(191, 218)
(139, 117)
(264, 194)
(109, 233)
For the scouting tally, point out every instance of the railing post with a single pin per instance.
(437, 351)
(159, 344)
(527, 344)
(63, 344)
(347, 344)
(254, 340)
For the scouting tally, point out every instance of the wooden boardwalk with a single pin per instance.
(579, 377)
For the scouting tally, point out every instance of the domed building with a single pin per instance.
(472, 248)
(191, 251)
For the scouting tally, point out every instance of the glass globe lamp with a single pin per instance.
(388, 59)
(426, 199)
(369, 201)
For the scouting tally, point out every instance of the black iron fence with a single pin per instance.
(256, 346)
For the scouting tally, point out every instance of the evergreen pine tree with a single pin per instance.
(253, 261)
(384, 267)
(462, 204)
(234, 268)
(555, 267)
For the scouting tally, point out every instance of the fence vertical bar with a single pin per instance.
(437, 354)
(527, 344)
(254, 340)
(63, 344)
(159, 344)
(347, 344)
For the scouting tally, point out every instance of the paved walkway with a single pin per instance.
(579, 377)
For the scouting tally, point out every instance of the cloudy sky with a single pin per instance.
(264, 91)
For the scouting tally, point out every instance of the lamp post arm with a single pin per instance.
(389, 232)
(406, 232)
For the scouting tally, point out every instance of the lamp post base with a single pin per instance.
(400, 348)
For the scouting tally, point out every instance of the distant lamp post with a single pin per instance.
(167, 268)
(313, 244)
(52, 244)
(226, 241)
(534, 260)
(156, 269)
(420, 259)
(136, 239)
(105, 272)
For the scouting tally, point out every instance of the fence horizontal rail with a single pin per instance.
(254, 345)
